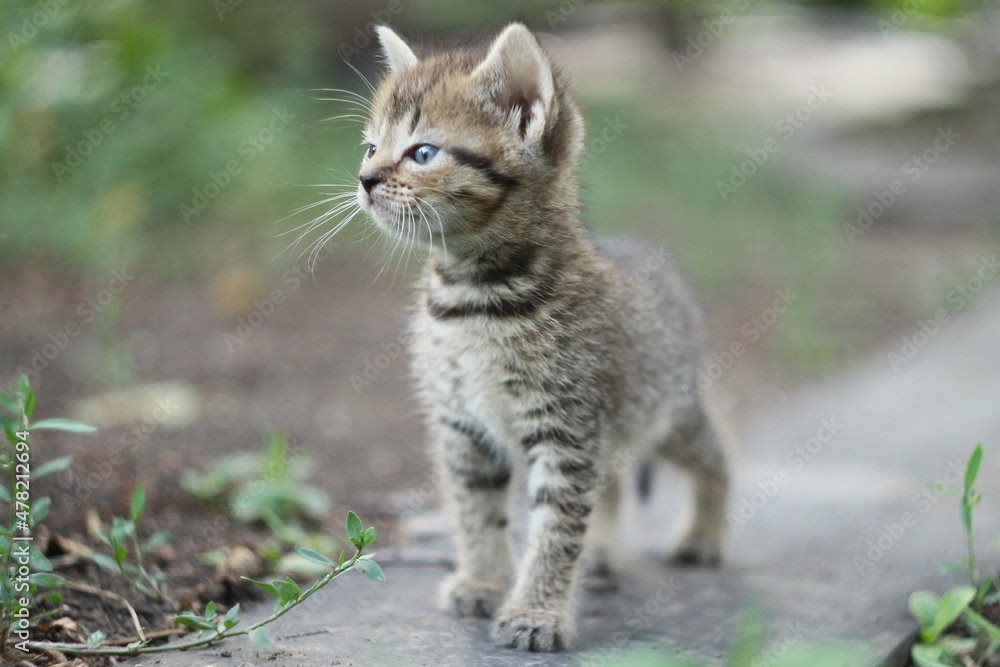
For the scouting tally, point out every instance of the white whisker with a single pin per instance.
(363, 77)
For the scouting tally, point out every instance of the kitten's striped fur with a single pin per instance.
(533, 344)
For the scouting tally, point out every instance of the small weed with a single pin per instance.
(267, 486)
(123, 534)
(953, 630)
(212, 626)
(23, 569)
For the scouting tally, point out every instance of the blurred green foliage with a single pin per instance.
(173, 135)
(127, 125)
(115, 112)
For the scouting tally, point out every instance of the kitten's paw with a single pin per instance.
(533, 629)
(473, 598)
(698, 550)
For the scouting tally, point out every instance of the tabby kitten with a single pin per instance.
(530, 344)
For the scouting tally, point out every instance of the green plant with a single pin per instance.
(953, 631)
(23, 569)
(212, 626)
(267, 486)
(124, 532)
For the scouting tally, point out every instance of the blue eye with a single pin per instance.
(370, 152)
(424, 153)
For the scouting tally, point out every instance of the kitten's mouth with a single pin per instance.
(390, 215)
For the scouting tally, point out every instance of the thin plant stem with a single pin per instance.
(218, 635)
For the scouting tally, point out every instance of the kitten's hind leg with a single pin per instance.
(696, 447)
(603, 538)
(478, 478)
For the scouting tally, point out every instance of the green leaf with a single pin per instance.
(314, 556)
(368, 536)
(288, 590)
(59, 424)
(984, 589)
(261, 638)
(233, 611)
(965, 514)
(340, 561)
(194, 622)
(9, 429)
(40, 510)
(267, 588)
(354, 528)
(29, 404)
(46, 579)
(7, 403)
(984, 624)
(99, 534)
(52, 466)
(4, 494)
(122, 528)
(210, 611)
(955, 645)
(928, 655)
(923, 605)
(118, 550)
(972, 469)
(138, 502)
(104, 561)
(38, 561)
(95, 638)
(370, 569)
(157, 539)
(949, 608)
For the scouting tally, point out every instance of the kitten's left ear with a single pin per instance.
(518, 75)
(398, 55)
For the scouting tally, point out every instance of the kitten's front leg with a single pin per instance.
(562, 480)
(479, 477)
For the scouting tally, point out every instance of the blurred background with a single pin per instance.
(826, 172)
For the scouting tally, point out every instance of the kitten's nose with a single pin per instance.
(369, 181)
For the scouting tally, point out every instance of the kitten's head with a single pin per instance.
(460, 141)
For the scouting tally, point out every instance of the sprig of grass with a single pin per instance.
(269, 486)
(123, 540)
(16, 408)
(124, 532)
(936, 615)
(213, 627)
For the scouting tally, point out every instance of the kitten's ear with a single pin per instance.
(398, 55)
(517, 73)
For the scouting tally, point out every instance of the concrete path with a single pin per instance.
(836, 526)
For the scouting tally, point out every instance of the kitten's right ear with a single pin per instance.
(517, 73)
(398, 55)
